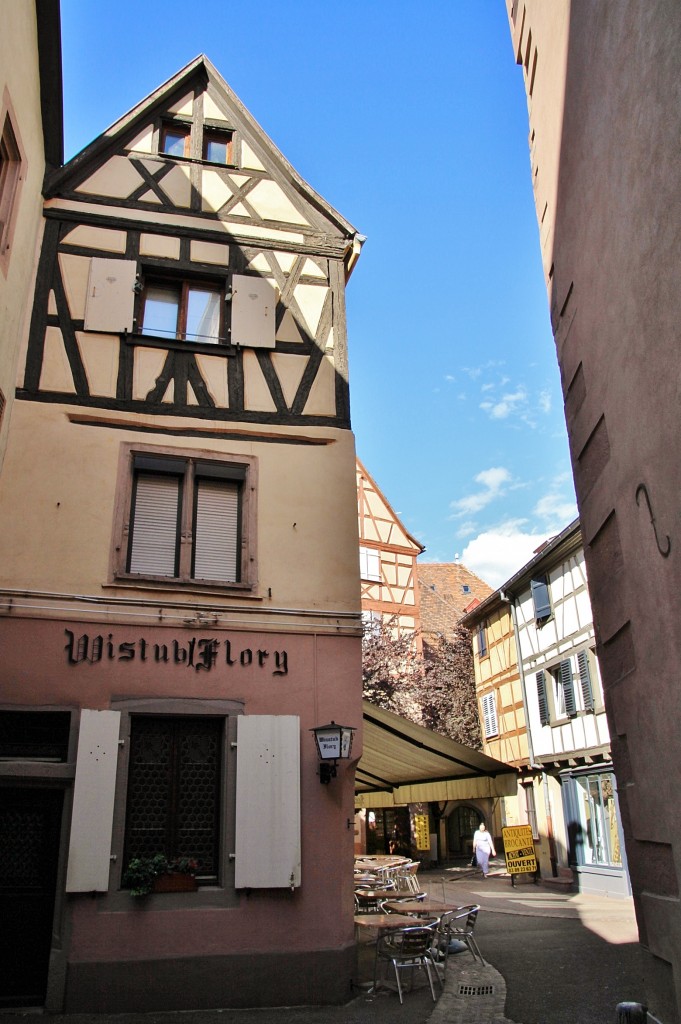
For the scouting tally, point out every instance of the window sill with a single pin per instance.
(177, 158)
(184, 586)
(224, 348)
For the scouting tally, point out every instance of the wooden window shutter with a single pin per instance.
(110, 300)
(155, 527)
(544, 716)
(93, 802)
(541, 598)
(585, 680)
(568, 688)
(216, 531)
(268, 821)
(254, 306)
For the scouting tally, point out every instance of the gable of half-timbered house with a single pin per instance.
(187, 269)
(387, 559)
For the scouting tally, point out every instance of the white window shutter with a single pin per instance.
(155, 526)
(370, 564)
(93, 802)
(254, 307)
(110, 300)
(216, 531)
(489, 711)
(268, 846)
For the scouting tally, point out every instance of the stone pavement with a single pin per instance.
(552, 957)
(601, 931)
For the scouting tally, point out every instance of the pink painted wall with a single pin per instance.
(320, 684)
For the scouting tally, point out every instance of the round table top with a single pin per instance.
(382, 921)
(428, 907)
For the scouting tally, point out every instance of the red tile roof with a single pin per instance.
(447, 590)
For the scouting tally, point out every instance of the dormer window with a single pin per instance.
(218, 146)
(175, 139)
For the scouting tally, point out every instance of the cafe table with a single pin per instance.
(384, 922)
(419, 908)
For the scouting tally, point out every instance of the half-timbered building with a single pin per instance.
(387, 559)
(179, 590)
(576, 817)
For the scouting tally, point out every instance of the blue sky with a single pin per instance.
(411, 120)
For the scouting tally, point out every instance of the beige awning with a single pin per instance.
(403, 763)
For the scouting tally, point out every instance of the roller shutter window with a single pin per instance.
(154, 547)
(216, 531)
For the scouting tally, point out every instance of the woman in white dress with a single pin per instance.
(483, 846)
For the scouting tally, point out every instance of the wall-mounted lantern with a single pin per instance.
(334, 742)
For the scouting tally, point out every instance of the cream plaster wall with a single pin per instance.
(306, 529)
(20, 94)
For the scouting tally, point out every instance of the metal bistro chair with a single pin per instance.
(369, 900)
(463, 931)
(407, 882)
(406, 948)
(439, 950)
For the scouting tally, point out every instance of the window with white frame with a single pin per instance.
(489, 715)
(563, 692)
(186, 518)
(564, 698)
(370, 564)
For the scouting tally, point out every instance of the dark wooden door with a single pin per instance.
(30, 821)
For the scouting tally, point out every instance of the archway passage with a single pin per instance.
(461, 825)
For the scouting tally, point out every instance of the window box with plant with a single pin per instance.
(144, 875)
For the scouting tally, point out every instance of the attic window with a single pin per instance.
(175, 139)
(218, 146)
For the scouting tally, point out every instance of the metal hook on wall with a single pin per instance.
(642, 489)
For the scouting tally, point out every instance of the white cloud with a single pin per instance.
(475, 371)
(545, 401)
(493, 481)
(510, 403)
(555, 510)
(500, 552)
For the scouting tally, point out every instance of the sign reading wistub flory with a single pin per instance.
(199, 653)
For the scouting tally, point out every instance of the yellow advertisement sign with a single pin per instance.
(519, 849)
(421, 831)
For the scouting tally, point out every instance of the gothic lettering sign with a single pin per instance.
(202, 654)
